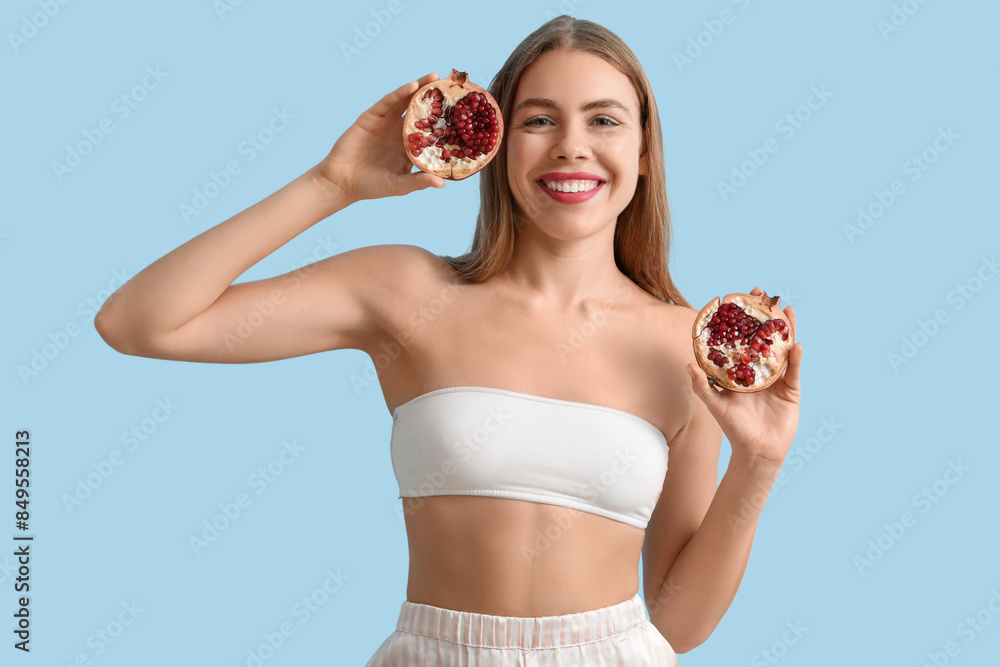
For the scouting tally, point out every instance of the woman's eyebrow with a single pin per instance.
(605, 103)
(543, 102)
(547, 103)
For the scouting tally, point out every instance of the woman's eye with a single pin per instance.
(601, 121)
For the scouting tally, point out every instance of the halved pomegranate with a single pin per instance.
(742, 341)
(452, 127)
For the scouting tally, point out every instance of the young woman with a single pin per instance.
(533, 417)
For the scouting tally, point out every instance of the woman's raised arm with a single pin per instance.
(185, 306)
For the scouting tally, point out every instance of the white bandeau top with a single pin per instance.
(483, 441)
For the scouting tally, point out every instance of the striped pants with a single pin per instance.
(615, 636)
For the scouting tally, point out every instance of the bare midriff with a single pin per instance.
(517, 558)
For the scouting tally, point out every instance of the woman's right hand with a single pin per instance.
(368, 160)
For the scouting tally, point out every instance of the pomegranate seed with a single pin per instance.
(717, 357)
(742, 375)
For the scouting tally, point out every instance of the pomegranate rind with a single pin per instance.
(454, 88)
(766, 369)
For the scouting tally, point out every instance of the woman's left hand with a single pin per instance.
(759, 425)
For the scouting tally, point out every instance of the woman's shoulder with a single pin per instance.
(407, 267)
(398, 280)
(675, 322)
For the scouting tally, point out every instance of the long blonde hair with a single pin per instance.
(642, 231)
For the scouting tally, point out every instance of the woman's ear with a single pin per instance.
(643, 163)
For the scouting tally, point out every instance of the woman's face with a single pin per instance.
(574, 126)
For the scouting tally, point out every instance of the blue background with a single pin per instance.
(860, 297)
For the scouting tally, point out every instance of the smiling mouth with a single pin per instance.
(571, 185)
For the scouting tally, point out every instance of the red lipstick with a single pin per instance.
(570, 197)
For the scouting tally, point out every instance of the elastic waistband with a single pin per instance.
(488, 631)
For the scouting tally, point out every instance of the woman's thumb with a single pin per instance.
(701, 387)
(421, 180)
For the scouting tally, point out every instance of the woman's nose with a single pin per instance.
(571, 143)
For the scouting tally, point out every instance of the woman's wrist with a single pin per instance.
(754, 465)
(329, 194)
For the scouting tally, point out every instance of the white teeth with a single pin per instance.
(571, 186)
